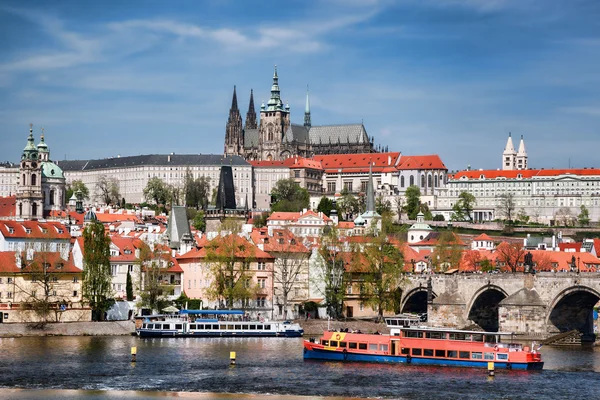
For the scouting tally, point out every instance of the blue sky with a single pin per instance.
(445, 77)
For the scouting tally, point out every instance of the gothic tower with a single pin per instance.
(509, 155)
(274, 121)
(307, 111)
(234, 137)
(29, 192)
(521, 159)
(251, 114)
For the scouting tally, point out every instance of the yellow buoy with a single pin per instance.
(232, 357)
(133, 353)
(491, 367)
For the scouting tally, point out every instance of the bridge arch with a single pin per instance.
(415, 301)
(483, 307)
(572, 309)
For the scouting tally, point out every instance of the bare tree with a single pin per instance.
(511, 254)
(564, 217)
(291, 266)
(506, 205)
(108, 190)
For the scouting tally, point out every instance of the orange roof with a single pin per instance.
(295, 216)
(282, 240)
(301, 162)
(34, 229)
(565, 246)
(109, 218)
(127, 247)
(8, 206)
(358, 162)
(483, 238)
(8, 262)
(432, 161)
(346, 225)
(220, 244)
(527, 173)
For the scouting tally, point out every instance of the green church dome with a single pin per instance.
(51, 170)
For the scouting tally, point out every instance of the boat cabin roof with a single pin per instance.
(433, 329)
(213, 312)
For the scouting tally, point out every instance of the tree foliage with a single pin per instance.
(157, 190)
(229, 258)
(108, 190)
(463, 208)
(347, 205)
(447, 253)
(96, 285)
(413, 201)
(77, 185)
(377, 267)
(287, 195)
(154, 290)
(564, 217)
(196, 191)
(260, 220)
(129, 287)
(199, 221)
(383, 205)
(510, 254)
(326, 205)
(584, 216)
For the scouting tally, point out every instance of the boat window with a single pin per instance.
(325, 342)
(352, 345)
(435, 335)
(413, 334)
(501, 356)
(477, 337)
(383, 347)
(490, 338)
(259, 327)
(252, 327)
(440, 353)
(405, 350)
(464, 354)
(238, 327)
(458, 336)
(343, 344)
(192, 326)
(488, 356)
(373, 346)
(166, 326)
(428, 352)
(417, 352)
(333, 343)
(178, 326)
(476, 356)
(392, 322)
(267, 327)
(362, 346)
(452, 354)
(245, 327)
(215, 326)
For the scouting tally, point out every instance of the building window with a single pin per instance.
(401, 181)
(262, 283)
(74, 293)
(261, 301)
(75, 279)
(363, 186)
(411, 181)
(297, 174)
(331, 187)
(261, 266)
(348, 186)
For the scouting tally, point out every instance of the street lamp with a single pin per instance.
(412, 261)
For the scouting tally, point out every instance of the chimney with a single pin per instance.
(389, 160)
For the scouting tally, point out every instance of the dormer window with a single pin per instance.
(59, 266)
(28, 230)
(281, 241)
(11, 230)
(127, 251)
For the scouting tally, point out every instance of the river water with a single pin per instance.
(100, 367)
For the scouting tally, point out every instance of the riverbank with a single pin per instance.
(312, 327)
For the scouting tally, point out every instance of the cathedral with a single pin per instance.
(41, 185)
(274, 137)
(514, 160)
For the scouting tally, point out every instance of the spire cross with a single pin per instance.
(42, 132)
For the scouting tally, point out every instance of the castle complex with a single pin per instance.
(274, 137)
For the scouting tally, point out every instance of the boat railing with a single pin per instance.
(509, 346)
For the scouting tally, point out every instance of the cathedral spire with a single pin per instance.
(370, 189)
(275, 103)
(307, 122)
(234, 105)
(234, 137)
(251, 114)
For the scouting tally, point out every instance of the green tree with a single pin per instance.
(157, 190)
(447, 253)
(96, 285)
(326, 205)
(383, 205)
(287, 195)
(76, 185)
(153, 290)
(584, 216)
(463, 208)
(108, 190)
(129, 287)
(199, 221)
(229, 258)
(330, 277)
(377, 267)
(413, 201)
(522, 216)
(260, 220)
(347, 205)
(424, 208)
(196, 191)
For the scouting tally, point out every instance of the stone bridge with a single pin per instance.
(537, 305)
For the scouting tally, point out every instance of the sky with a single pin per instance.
(446, 77)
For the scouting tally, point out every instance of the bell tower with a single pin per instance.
(29, 191)
(274, 122)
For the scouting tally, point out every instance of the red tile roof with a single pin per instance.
(8, 206)
(8, 262)
(301, 162)
(432, 161)
(267, 164)
(282, 241)
(483, 238)
(527, 173)
(570, 246)
(220, 244)
(37, 230)
(295, 216)
(358, 162)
